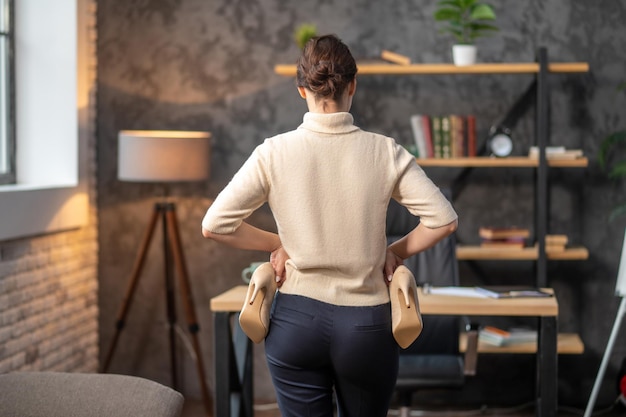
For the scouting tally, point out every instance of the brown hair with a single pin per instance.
(326, 67)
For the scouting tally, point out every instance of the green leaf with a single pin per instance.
(452, 3)
(482, 12)
(447, 14)
(618, 170)
(617, 211)
(466, 4)
(606, 145)
(482, 26)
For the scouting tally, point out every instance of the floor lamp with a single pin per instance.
(620, 290)
(164, 157)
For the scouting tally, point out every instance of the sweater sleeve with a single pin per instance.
(246, 192)
(418, 193)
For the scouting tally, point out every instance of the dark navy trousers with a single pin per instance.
(317, 351)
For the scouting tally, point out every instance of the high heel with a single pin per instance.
(254, 317)
(406, 320)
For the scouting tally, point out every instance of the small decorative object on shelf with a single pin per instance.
(500, 142)
(395, 57)
(466, 21)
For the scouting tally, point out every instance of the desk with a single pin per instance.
(233, 350)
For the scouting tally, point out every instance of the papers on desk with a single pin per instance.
(454, 291)
(487, 292)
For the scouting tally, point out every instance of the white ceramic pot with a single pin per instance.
(464, 54)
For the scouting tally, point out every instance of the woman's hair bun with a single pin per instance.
(326, 67)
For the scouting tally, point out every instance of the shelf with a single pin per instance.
(381, 68)
(492, 162)
(467, 253)
(568, 344)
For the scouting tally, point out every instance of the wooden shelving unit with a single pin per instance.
(509, 162)
(540, 69)
(383, 68)
(567, 344)
(476, 253)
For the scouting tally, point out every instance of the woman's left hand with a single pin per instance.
(392, 261)
(278, 258)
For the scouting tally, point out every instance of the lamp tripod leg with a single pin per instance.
(132, 286)
(188, 304)
(170, 300)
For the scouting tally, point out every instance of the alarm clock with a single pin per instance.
(500, 143)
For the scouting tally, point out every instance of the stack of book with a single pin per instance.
(495, 336)
(556, 152)
(503, 238)
(556, 243)
(450, 136)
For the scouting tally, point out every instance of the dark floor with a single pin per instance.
(195, 409)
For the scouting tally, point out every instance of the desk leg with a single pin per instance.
(233, 368)
(222, 362)
(547, 376)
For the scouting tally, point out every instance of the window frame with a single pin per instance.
(9, 176)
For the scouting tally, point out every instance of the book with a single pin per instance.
(555, 248)
(503, 232)
(503, 244)
(556, 152)
(418, 135)
(437, 137)
(395, 57)
(457, 136)
(512, 291)
(495, 336)
(471, 136)
(556, 240)
(446, 148)
(428, 136)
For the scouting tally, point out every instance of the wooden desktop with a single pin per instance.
(233, 350)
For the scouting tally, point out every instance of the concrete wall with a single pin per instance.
(199, 65)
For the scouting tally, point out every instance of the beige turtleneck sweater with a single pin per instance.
(328, 184)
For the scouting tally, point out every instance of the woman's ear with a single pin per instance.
(352, 87)
(302, 92)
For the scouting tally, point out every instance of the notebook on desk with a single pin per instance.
(512, 291)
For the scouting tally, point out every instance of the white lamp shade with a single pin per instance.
(163, 156)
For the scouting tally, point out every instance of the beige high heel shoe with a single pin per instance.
(406, 320)
(254, 318)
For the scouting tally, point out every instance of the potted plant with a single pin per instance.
(303, 33)
(466, 20)
(609, 160)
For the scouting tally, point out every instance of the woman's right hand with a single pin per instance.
(278, 258)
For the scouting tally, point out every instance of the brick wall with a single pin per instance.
(48, 302)
(48, 284)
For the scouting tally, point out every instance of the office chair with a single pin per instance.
(433, 361)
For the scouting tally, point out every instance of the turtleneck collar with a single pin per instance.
(330, 123)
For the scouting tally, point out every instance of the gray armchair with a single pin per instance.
(61, 394)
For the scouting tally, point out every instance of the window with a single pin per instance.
(52, 77)
(7, 137)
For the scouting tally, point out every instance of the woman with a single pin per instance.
(328, 184)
